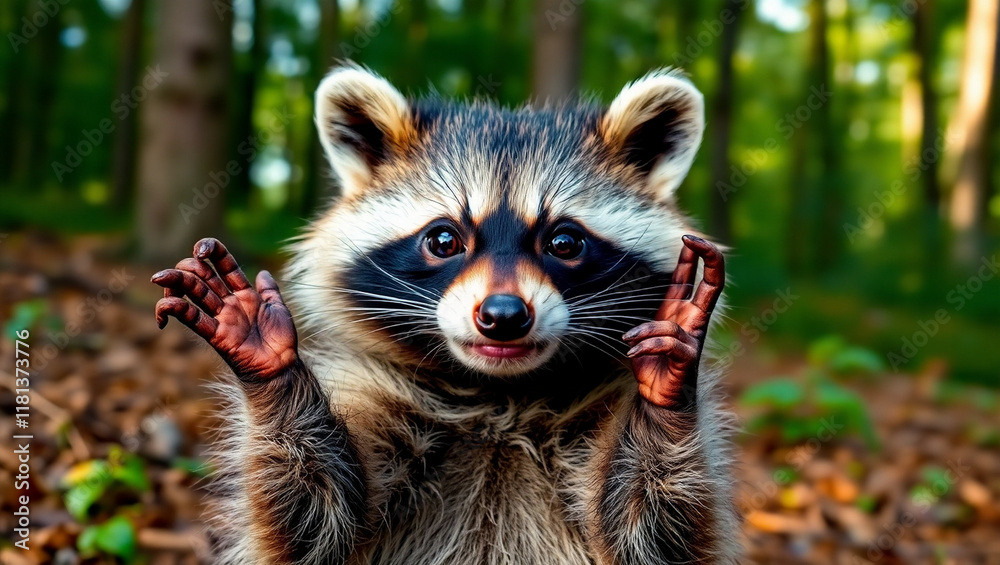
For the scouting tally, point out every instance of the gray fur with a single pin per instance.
(455, 472)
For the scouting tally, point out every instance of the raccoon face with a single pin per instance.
(477, 238)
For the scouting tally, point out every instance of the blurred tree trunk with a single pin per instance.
(799, 232)
(968, 199)
(44, 53)
(13, 89)
(245, 101)
(317, 181)
(924, 48)
(414, 61)
(123, 158)
(811, 240)
(826, 133)
(557, 50)
(928, 209)
(721, 121)
(184, 145)
(992, 136)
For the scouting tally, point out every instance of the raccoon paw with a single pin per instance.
(251, 328)
(666, 352)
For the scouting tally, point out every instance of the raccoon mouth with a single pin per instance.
(502, 358)
(509, 351)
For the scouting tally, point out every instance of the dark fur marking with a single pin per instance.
(361, 133)
(307, 446)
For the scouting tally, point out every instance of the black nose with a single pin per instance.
(503, 317)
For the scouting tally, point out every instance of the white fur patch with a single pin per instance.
(345, 91)
(643, 100)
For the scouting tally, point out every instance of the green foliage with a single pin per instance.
(779, 394)
(96, 489)
(833, 352)
(98, 480)
(52, 95)
(812, 406)
(26, 315)
(867, 503)
(935, 483)
(116, 537)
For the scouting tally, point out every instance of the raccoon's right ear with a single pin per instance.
(363, 121)
(656, 124)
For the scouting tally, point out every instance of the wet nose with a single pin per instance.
(503, 317)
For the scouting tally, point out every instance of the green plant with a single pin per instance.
(100, 490)
(834, 354)
(815, 405)
(115, 537)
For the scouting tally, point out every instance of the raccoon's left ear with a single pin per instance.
(363, 122)
(656, 123)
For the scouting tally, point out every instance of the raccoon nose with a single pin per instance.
(503, 317)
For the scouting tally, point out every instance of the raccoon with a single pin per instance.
(497, 349)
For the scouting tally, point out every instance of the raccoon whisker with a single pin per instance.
(346, 290)
(605, 338)
(383, 317)
(628, 251)
(430, 353)
(636, 319)
(386, 298)
(627, 292)
(633, 304)
(569, 345)
(413, 288)
(652, 290)
(653, 299)
(598, 345)
(618, 262)
(640, 307)
(397, 311)
(613, 284)
(392, 339)
(656, 297)
(390, 298)
(618, 283)
(383, 313)
(425, 326)
(423, 292)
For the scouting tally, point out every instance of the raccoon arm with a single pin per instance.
(301, 474)
(657, 501)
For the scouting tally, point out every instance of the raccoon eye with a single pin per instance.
(443, 242)
(565, 244)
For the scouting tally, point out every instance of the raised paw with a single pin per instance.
(249, 326)
(666, 352)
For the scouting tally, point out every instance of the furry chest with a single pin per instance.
(479, 498)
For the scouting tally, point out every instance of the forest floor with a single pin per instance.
(121, 414)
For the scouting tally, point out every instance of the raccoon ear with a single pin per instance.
(656, 123)
(363, 121)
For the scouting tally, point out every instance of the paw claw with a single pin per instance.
(203, 248)
(251, 329)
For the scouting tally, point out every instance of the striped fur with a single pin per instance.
(386, 448)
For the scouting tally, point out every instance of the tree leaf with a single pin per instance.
(855, 359)
(824, 349)
(80, 498)
(117, 537)
(775, 393)
(87, 541)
